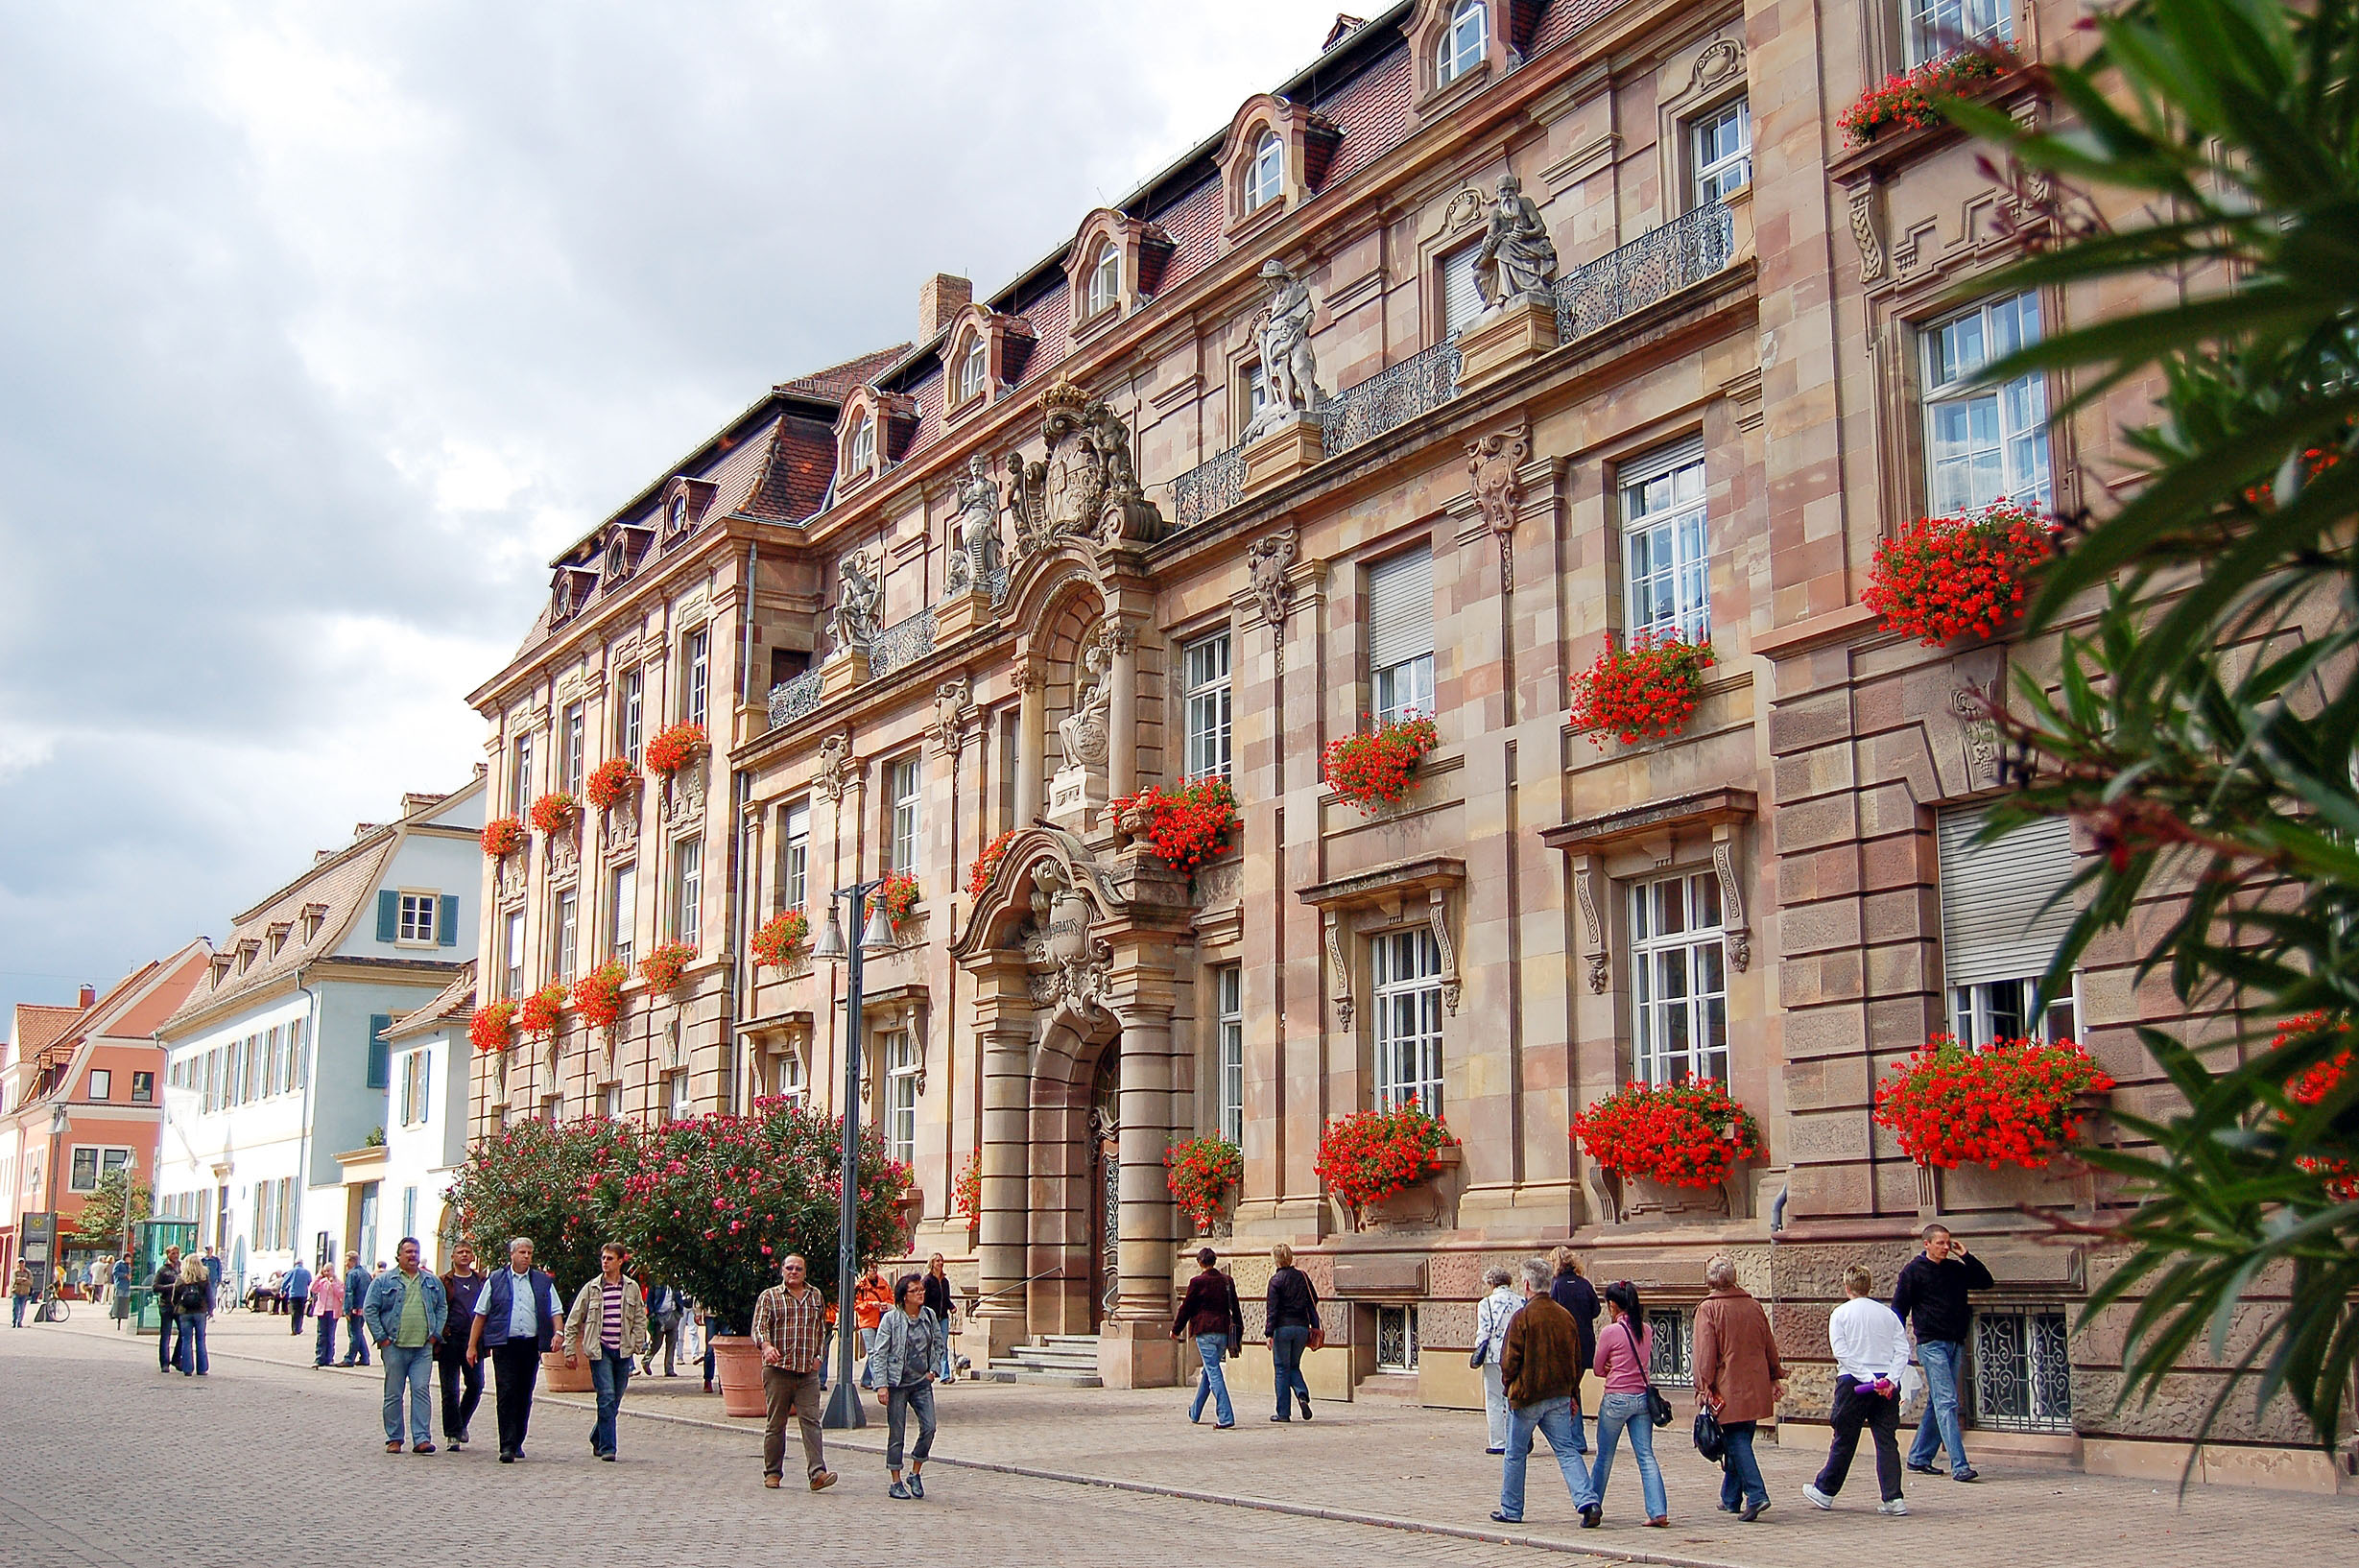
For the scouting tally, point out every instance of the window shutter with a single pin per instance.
(1462, 296)
(389, 914)
(447, 921)
(379, 1052)
(1400, 610)
(1996, 920)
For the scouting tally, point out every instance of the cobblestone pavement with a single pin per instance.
(1262, 1488)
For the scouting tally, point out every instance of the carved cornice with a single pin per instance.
(1655, 820)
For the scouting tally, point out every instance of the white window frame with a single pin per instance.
(1106, 278)
(565, 935)
(633, 705)
(1229, 1051)
(512, 972)
(1679, 980)
(1462, 41)
(795, 857)
(975, 368)
(904, 800)
(572, 744)
(904, 1060)
(792, 1080)
(520, 775)
(419, 913)
(1405, 971)
(1265, 176)
(863, 447)
(610, 1101)
(1461, 290)
(696, 694)
(688, 891)
(1667, 544)
(1710, 182)
(2002, 452)
(1934, 28)
(676, 1103)
(100, 1085)
(1992, 979)
(623, 911)
(1404, 685)
(1205, 676)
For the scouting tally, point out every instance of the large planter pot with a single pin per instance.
(559, 1378)
(738, 1364)
(1649, 1196)
(1429, 1203)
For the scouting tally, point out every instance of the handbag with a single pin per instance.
(1710, 1441)
(1481, 1352)
(1319, 1336)
(1658, 1408)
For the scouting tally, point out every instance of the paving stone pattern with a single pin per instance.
(1143, 1487)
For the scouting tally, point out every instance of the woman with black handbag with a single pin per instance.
(1491, 1316)
(1625, 1351)
(1291, 1311)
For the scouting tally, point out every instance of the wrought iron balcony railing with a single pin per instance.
(1651, 268)
(904, 642)
(791, 699)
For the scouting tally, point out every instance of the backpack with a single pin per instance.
(189, 1297)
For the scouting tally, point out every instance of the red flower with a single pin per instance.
(2010, 1104)
(488, 1030)
(598, 996)
(2311, 1086)
(676, 748)
(611, 782)
(1372, 768)
(1370, 1154)
(555, 812)
(1942, 578)
(1911, 99)
(979, 875)
(661, 968)
(1645, 690)
(501, 836)
(543, 1008)
(969, 1189)
(787, 929)
(1199, 1173)
(1684, 1135)
(1186, 826)
(897, 897)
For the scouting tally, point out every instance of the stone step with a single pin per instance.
(1044, 1379)
(1398, 1387)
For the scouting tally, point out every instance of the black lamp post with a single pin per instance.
(843, 1409)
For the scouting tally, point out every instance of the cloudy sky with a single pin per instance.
(322, 326)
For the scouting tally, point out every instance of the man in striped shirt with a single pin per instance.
(790, 1328)
(611, 1307)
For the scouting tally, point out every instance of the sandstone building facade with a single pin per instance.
(1506, 330)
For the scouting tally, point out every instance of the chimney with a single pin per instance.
(89, 995)
(941, 297)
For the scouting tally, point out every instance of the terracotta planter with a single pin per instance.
(1428, 1203)
(1647, 1196)
(559, 1378)
(738, 1364)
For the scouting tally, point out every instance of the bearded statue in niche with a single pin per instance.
(1082, 734)
(1517, 256)
(851, 626)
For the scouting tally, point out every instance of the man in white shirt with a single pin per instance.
(1871, 1350)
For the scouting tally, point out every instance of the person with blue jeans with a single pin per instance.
(1293, 1312)
(405, 1312)
(1931, 1298)
(937, 1301)
(1209, 1314)
(192, 1306)
(1625, 1351)
(1540, 1366)
(608, 1323)
(355, 1297)
(1739, 1377)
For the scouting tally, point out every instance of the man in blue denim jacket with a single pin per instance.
(405, 1313)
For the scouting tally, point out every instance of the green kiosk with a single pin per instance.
(149, 1237)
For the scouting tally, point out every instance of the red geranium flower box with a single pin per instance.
(1372, 768)
(610, 783)
(2010, 1104)
(676, 748)
(783, 931)
(968, 1192)
(1201, 1173)
(543, 1008)
(555, 812)
(2310, 1087)
(1684, 1135)
(489, 1029)
(979, 875)
(502, 836)
(898, 895)
(1965, 574)
(661, 968)
(1186, 826)
(1910, 100)
(598, 996)
(1370, 1156)
(1646, 691)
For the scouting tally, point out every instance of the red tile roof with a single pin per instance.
(1373, 112)
(1566, 18)
(39, 1023)
(802, 460)
(835, 381)
(1194, 225)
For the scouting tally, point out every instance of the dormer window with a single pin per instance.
(863, 446)
(618, 556)
(680, 514)
(1105, 280)
(1463, 44)
(1265, 180)
(974, 368)
(278, 936)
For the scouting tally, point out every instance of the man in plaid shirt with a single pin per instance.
(790, 1326)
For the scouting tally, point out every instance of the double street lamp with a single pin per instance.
(844, 1410)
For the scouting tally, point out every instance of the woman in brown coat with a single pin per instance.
(1740, 1376)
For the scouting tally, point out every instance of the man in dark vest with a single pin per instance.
(516, 1317)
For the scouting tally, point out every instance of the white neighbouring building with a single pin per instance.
(425, 1124)
(277, 1068)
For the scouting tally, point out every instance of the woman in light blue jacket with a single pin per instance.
(903, 1361)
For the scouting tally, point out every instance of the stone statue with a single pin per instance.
(851, 624)
(1517, 256)
(977, 555)
(1086, 487)
(1289, 370)
(1082, 734)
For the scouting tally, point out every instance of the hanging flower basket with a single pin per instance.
(1911, 99)
(675, 749)
(1371, 1155)
(543, 1008)
(501, 836)
(598, 996)
(774, 940)
(611, 782)
(967, 1193)
(1187, 826)
(2310, 1087)
(661, 968)
(1201, 1172)
(1373, 768)
(2009, 1103)
(1645, 690)
(1686, 1134)
(1963, 574)
(490, 1028)
(555, 812)
(979, 875)
(898, 895)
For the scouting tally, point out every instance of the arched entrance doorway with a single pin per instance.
(1105, 1185)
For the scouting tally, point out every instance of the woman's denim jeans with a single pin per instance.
(1209, 1383)
(1286, 1347)
(192, 1328)
(1740, 1480)
(1620, 1411)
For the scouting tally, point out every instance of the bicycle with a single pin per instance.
(51, 1309)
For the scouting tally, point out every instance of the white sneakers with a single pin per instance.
(1817, 1498)
(1896, 1508)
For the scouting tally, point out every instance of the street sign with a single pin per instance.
(36, 1237)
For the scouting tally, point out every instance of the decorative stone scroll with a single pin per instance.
(834, 769)
(1491, 462)
(1585, 876)
(1339, 972)
(1866, 231)
(953, 706)
(1736, 940)
(1267, 562)
(1438, 916)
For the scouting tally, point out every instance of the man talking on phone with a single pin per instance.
(1871, 1351)
(1931, 1298)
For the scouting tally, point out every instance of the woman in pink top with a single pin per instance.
(327, 1305)
(1624, 1350)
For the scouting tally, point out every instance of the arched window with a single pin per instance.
(1462, 46)
(974, 368)
(863, 446)
(1106, 278)
(1261, 180)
